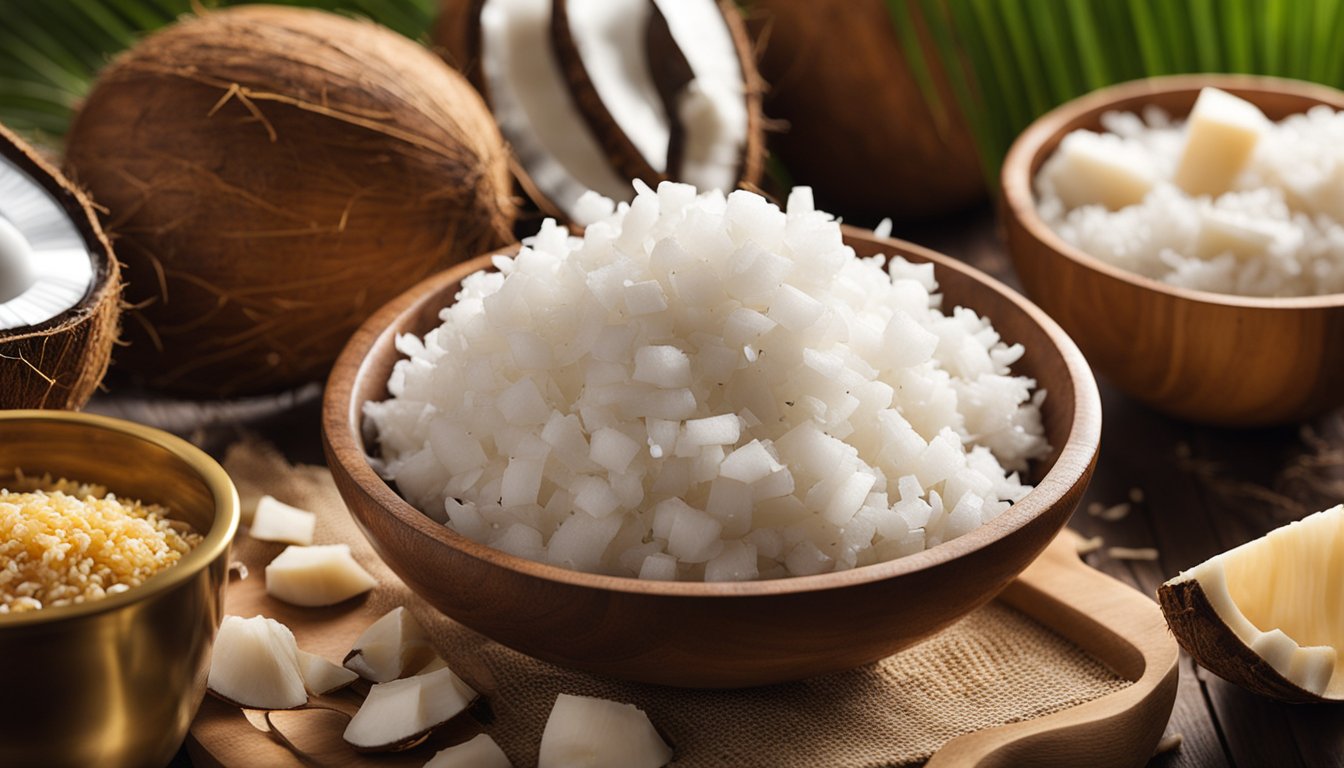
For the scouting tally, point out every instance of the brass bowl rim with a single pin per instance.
(1017, 179)
(214, 545)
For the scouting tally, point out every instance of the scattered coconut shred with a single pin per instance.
(707, 388)
(63, 543)
(1277, 229)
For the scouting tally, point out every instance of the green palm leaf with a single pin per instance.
(50, 50)
(1011, 60)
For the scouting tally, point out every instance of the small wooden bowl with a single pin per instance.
(716, 635)
(1207, 357)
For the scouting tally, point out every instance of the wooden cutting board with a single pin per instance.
(1109, 621)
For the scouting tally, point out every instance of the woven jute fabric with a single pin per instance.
(996, 666)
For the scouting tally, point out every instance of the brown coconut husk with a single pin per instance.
(59, 364)
(860, 130)
(274, 175)
(457, 36)
(1197, 627)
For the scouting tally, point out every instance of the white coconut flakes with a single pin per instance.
(707, 388)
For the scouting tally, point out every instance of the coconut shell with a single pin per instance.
(626, 158)
(58, 364)
(671, 72)
(457, 33)
(272, 176)
(457, 38)
(859, 129)
(1205, 636)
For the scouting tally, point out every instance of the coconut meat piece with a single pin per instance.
(255, 664)
(321, 676)
(610, 38)
(390, 646)
(597, 733)
(395, 715)
(318, 575)
(712, 107)
(275, 520)
(1283, 596)
(479, 752)
(531, 102)
(45, 268)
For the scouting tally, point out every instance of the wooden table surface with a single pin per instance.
(1203, 490)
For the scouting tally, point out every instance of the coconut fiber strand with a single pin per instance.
(994, 667)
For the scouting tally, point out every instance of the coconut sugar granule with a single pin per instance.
(63, 543)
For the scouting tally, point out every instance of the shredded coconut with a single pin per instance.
(63, 542)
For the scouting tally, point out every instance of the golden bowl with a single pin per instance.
(1207, 357)
(116, 681)
(717, 635)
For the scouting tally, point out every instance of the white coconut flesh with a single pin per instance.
(390, 646)
(712, 106)
(537, 113)
(255, 664)
(480, 752)
(610, 38)
(1283, 596)
(597, 733)
(396, 714)
(532, 104)
(45, 266)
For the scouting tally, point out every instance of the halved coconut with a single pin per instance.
(1269, 615)
(594, 93)
(60, 287)
(400, 714)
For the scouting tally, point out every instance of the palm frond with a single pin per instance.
(1011, 60)
(50, 51)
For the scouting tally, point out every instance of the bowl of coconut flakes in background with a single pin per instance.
(711, 443)
(1188, 233)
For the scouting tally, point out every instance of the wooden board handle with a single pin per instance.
(1118, 626)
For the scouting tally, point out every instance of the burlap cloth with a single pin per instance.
(994, 667)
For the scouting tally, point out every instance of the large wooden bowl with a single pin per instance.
(1207, 357)
(716, 634)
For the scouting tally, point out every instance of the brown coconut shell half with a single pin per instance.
(671, 73)
(859, 129)
(272, 176)
(58, 364)
(457, 33)
(1198, 629)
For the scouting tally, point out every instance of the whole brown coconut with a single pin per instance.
(272, 176)
(57, 364)
(860, 130)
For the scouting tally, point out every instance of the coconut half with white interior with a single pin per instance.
(60, 286)
(593, 93)
(1269, 614)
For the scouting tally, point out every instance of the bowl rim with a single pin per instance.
(342, 421)
(214, 544)
(1020, 201)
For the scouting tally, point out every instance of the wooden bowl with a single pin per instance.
(716, 634)
(1206, 357)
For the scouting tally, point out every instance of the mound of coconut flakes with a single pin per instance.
(707, 388)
